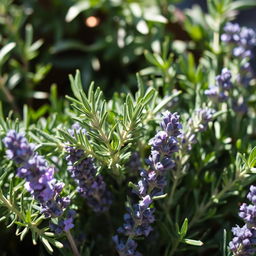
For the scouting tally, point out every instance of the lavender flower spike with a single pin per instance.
(220, 91)
(197, 123)
(39, 177)
(140, 215)
(18, 148)
(244, 241)
(84, 172)
(241, 38)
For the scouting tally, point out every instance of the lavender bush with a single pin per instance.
(160, 169)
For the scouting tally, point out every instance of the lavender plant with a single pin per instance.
(76, 172)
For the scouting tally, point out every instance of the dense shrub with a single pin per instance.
(158, 159)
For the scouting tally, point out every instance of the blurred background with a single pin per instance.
(105, 39)
(43, 41)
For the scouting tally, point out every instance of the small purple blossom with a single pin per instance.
(220, 91)
(248, 212)
(241, 38)
(171, 124)
(18, 148)
(252, 194)
(224, 79)
(244, 241)
(197, 123)
(127, 248)
(223, 91)
(66, 223)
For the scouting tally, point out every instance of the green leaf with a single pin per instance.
(238, 5)
(217, 128)
(5, 50)
(132, 185)
(141, 90)
(149, 94)
(76, 9)
(25, 116)
(3, 177)
(193, 242)
(184, 228)
(142, 27)
(46, 245)
(152, 59)
(55, 243)
(12, 222)
(252, 158)
(154, 17)
(159, 197)
(34, 238)
(165, 101)
(45, 135)
(28, 35)
(2, 218)
(23, 233)
(224, 247)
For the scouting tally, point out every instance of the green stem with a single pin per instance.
(72, 244)
(177, 176)
(9, 97)
(216, 42)
(174, 186)
(174, 248)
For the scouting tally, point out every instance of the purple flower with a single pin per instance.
(171, 124)
(197, 123)
(18, 148)
(242, 39)
(127, 248)
(39, 176)
(65, 223)
(252, 194)
(244, 241)
(145, 202)
(231, 34)
(213, 93)
(220, 91)
(224, 79)
(140, 215)
(90, 185)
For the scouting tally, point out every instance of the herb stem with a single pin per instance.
(8, 95)
(175, 246)
(72, 244)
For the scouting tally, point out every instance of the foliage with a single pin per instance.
(115, 136)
